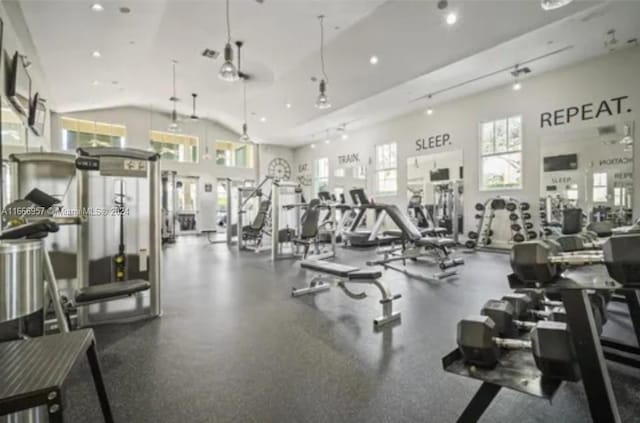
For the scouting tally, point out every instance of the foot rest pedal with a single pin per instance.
(111, 290)
(351, 294)
(388, 300)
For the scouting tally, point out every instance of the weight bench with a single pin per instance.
(32, 372)
(349, 274)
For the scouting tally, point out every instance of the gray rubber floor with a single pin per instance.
(233, 346)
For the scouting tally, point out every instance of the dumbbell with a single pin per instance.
(473, 235)
(528, 225)
(511, 207)
(503, 315)
(532, 234)
(513, 217)
(515, 227)
(470, 244)
(518, 238)
(537, 302)
(525, 206)
(526, 216)
(479, 206)
(550, 344)
(543, 215)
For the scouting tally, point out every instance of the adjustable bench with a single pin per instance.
(349, 274)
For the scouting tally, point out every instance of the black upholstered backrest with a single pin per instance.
(310, 220)
(403, 222)
(261, 216)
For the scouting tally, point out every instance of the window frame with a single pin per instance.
(117, 133)
(317, 179)
(231, 155)
(482, 156)
(386, 167)
(185, 147)
(600, 186)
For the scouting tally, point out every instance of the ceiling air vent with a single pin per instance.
(210, 54)
(518, 71)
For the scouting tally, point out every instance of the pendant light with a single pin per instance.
(244, 138)
(323, 101)
(228, 71)
(194, 116)
(206, 155)
(554, 4)
(174, 126)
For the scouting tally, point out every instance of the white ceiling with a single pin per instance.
(418, 53)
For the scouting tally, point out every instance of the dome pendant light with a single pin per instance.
(174, 126)
(194, 116)
(323, 101)
(554, 4)
(228, 71)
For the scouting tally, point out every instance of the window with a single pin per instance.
(620, 196)
(85, 133)
(321, 175)
(176, 147)
(13, 130)
(600, 187)
(387, 168)
(187, 191)
(501, 154)
(360, 172)
(234, 154)
(339, 173)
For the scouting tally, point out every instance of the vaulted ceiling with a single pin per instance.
(419, 53)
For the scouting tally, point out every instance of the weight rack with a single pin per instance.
(518, 372)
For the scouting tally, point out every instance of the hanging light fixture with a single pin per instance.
(429, 108)
(323, 101)
(343, 129)
(228, 71)
(206, 155)
(244, 138)
(174, 126)
(327, 139)
(554, 4)
(194, 116)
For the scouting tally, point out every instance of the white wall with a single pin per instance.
(609, 76)
(140, 121)
(15, 37)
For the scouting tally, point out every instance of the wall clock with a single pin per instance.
(279, 168)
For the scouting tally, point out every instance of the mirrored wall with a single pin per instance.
(346, 179)
(434, 182)
(590, 169)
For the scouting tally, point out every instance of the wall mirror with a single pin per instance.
(590, 169)
(347, 178)
(434, 185)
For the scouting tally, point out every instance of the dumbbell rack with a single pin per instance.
(481, 238)
(518, 372)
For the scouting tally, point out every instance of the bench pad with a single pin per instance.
(336, 269)
(105, 291)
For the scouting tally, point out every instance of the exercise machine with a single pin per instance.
(357, 237)
(169, 206)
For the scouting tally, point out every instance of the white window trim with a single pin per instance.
(481, 187)
(376, 171)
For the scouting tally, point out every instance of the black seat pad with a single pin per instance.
(105, 291)
(365, 274)
(336, 269)
(435, 242)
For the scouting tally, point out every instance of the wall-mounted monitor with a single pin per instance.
(18, 84)
(563, 162)
(37, 115)
(440, 175)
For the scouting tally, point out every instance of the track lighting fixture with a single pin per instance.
(554, 4)
(228, 71)
(323, 101)
(344, 136)
(194, 116)
(174, 126)
(327, 138)
(517, 86)
(429, 110)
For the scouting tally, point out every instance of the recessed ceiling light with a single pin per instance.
(97, 7)
(96, 82)
(288, 105)
(345, 136)
(263, 119)
(373, 60)
(312, 146)
(517, 86)
(452, 18)
(96, 54)
(429, 111)
(327, 141)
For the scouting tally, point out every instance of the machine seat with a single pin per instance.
(336, 269)
(111, 290)
(399, 234)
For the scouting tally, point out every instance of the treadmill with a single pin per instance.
(359, 237)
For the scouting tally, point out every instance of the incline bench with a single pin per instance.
(349, 274)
